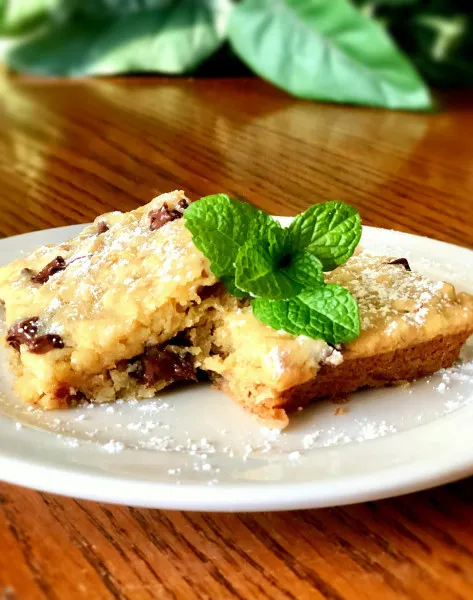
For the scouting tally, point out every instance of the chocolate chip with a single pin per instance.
(102, 227)
(56, 265)
(63, 392)
(25, 333)
(179, 340)
(160, 216)
(45, 343)
(22, 332)
(122, 365)
(401, 261)
(151, 372)
(184, 203)
(162, 365)
(206, 291)
(182, 367)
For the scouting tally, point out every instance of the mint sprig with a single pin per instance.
(282, 269)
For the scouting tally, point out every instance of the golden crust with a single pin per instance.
(404, 364)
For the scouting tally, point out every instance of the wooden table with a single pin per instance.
(70, 150)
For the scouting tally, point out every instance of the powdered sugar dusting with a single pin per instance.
(388, 295)
(275, 360)
(114, 446)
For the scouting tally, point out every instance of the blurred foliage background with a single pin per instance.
(383, 53)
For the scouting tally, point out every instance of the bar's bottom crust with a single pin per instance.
(404, 364)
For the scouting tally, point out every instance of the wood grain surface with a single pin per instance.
(70, 150)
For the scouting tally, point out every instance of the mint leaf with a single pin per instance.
(268, 270)
(330, 231)
(306, 269)
(232, 289)
(329, 313)
(257, 274)
(220, 226)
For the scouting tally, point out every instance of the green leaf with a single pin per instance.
(306, 269)
(220, 226)
(276, 276)
(325, 50)
(257, 274)
(173, 39)
(329, 313)
(118, 7)
(435, 34)
(251, 253)
(369, 6)
(22, 16)
(232, 288)
(329, 230)
(442, 47)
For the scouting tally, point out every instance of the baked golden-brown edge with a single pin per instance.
(402, 364)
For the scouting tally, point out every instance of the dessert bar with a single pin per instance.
(131, 306)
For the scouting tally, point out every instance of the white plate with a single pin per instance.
(194, 449)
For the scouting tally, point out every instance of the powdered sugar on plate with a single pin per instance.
(223, 431)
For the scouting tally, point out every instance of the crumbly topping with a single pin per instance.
(385, 291)
(98, 266)
(397, 305)
(334, 359)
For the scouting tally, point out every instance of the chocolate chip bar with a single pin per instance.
(131, 306)
(410, 327)
(98, 317)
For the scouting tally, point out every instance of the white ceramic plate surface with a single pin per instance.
(194, 449)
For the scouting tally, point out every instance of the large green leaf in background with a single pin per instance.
(175, 38)
(325, 50)
(116, 7)
(20, 16)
